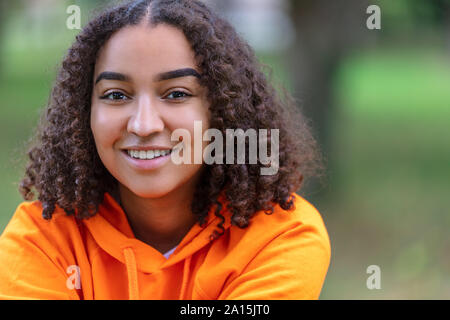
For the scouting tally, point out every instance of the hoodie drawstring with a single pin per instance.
(133, 288)
(130, 262)
(187, 265)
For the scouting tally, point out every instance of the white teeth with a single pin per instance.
(147, 155)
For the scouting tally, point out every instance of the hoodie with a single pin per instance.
(284, 255)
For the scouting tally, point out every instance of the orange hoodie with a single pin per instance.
(280, 256)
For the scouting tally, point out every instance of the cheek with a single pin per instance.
(189, 119)
(185, 118)
(104, 126)
(106, 129)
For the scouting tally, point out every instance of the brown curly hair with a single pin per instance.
(64, 166)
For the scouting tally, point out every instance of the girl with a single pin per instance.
(116, 218)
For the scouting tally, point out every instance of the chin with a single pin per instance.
(151, 191)
(161, 185)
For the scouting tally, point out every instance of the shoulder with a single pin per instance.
(29, 234)
(297, 235)
(283, 255)
(28, 220)
(302, 222)
(302, 213)
(34, 253)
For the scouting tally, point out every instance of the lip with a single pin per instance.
(150, 164)
(145, 148)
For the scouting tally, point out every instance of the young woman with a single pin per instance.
(117, 218)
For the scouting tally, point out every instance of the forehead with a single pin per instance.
(145, 50)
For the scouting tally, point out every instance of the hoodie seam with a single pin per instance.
(97, 250)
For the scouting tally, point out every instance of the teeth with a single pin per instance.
(147, 155)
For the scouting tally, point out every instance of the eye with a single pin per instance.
(177, 95)
(114, 96)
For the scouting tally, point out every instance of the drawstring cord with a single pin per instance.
(130, 262)
(187, 265)
(133, 289)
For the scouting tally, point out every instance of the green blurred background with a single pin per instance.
(379, 105)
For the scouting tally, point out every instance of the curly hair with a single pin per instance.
(65, 168)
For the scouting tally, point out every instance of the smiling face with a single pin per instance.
(146, 86)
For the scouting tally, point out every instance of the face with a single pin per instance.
(145, 87)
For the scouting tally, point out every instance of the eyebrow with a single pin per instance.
(177, 74)
(185, 72)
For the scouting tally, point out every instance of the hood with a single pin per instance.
(112, 232)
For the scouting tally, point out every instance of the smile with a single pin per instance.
(148, 155)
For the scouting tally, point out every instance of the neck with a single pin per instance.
(160, 222)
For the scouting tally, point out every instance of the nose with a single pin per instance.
(145, 119)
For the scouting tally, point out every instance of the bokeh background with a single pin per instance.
(378, 100)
